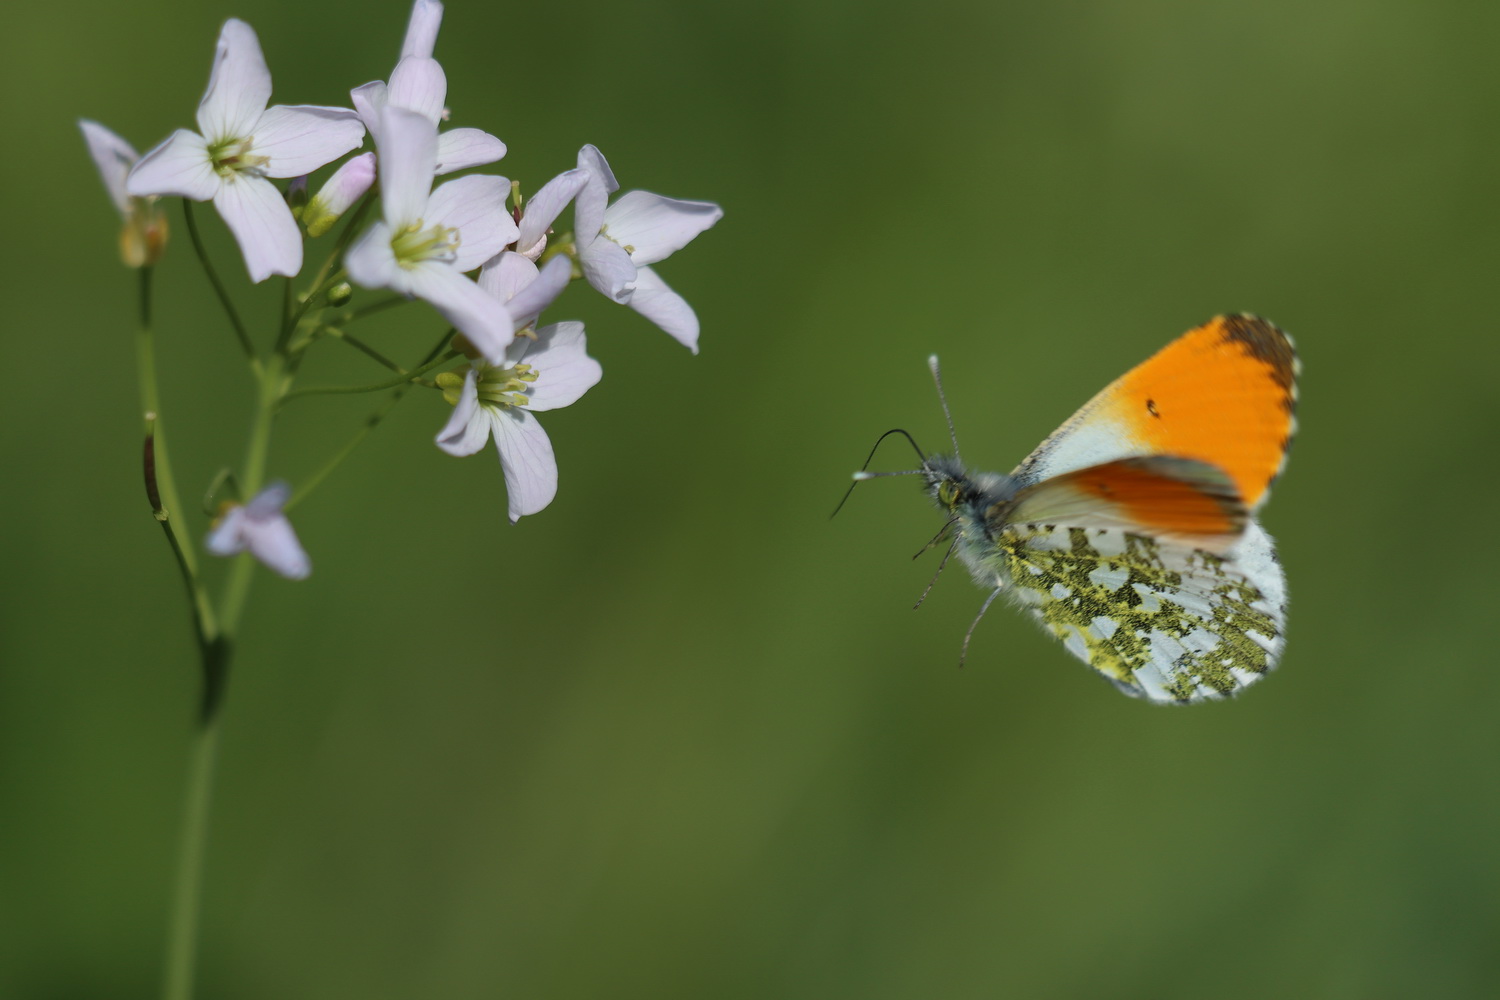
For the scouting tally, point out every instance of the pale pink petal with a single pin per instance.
(527, 460)
(588, 206)
(262, 224)
(564, 369)
(408, 152)
(269, 501)
(239, 88)
(547, 204)
(608, 268)
(422, 29)
(480, 317)
(369, 99)
(652, 227)
(664, 307)
(227, 538)
(114, 157)
(372, 263)
(275, 544)
(179, 166)
(467, 429)
(475, 206)
(300, 139)
(528, 301)
(505, 275)
(347, 185)
(461, 148)
(418, 84)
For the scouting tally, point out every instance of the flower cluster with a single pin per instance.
(486, 260)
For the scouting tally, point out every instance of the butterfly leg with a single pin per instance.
(964, 653)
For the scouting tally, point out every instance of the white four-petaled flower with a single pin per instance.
(260, 528)
(428, 238)
(544, 373)
(240, 144)
(143, 230)
(419, 84)
(616, 243)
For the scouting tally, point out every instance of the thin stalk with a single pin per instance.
(182, 940)
(365, 348)
(213, 279)
(390, 383)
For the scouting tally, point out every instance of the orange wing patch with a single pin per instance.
(1223, 393)
(1156, 495)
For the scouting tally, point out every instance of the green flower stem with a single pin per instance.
(391, 383)
(182, 940)
(375, 307)
(213, 279)
(360, 345)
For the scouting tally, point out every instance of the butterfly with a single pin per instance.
(1130, 532)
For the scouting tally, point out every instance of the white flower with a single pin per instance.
(263, 529)
(615, 245)
(419, 84)
(429, 238)
(143, 232)
(543, 209)
(497, 400)
(242, 143)
(347, 185)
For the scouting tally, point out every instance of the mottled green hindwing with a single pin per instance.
(1159, 618)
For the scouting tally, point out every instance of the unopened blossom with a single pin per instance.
(347, 185)
(497, 400)
(143, 227)
(429, 238)
(617, 243)
(260, 528)
(240, 145)
(419, 84)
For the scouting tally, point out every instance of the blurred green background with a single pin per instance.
(680, 735)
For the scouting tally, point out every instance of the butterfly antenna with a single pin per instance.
(937, 378)
(964, 653)
(933, 582)
(862, 475)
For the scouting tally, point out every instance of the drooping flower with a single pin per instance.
(143, 227)
(347, 185)
(419, 84)
(617, 243)
(497, 400)
(428, 238)
(240, 144)
(260, 528)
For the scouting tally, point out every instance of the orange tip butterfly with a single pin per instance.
(1130, 533)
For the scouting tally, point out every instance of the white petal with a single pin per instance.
(269, 501)
(239, 88)
(588, 207)
(179, 166)
(372, 263)
(653, 227)
(418, 84)
(347, 185)
(274, 543)
(480, 317)
(547, 204)
(475, 206)
(608, 268)
(408, 153)
(664, 307)
(226, 538)
(422, 29)
(528, 301)
(527, 460)
(114, 157)
(505, 275)
(368, 99)
(262, 224)
(300, 139)
(461, 148)
(467, 429)
(564, 369)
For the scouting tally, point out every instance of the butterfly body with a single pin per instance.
(1130, 533)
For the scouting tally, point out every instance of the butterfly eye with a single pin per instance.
(948, 493)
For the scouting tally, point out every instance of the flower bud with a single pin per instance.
(347, 185)
(340, 294)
